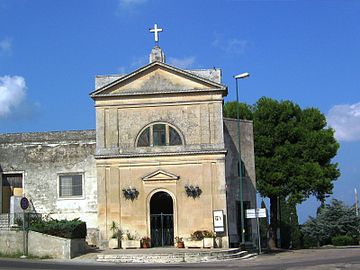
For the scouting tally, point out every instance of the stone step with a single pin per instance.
(241, 254)
(173, 256)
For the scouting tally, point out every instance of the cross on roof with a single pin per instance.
(156, 31)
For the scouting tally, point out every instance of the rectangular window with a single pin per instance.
(70, 185)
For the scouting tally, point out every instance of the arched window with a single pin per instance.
(159, 134)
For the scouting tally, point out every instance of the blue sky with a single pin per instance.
(304, 51)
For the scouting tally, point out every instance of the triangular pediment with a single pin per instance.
(157, 78)
(160, 175)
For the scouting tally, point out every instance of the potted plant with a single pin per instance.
(114, 240)
(145, 242)
(195, 240)
(130, 241)
(179, 242)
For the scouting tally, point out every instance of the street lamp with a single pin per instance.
(237, 77)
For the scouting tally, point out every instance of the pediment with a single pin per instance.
(155, 78)
(160, 175)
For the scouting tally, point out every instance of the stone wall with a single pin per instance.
(41, 157)
(232, 174)
(198, 121)
(56, 247)
(11, 242)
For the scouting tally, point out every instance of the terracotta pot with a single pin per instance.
(180, 245)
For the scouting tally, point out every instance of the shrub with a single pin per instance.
(130, 236)
(309, 242)
(71, 229)
(200, 235)
(342, 240)
(332, 220)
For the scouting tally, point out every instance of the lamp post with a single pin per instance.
(237, 77)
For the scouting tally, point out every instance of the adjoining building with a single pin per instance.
(162, 161)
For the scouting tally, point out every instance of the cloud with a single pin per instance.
(230, 45)
(345, 120)
(12, 93)
(186, 62)
(5, 46)
(139, 61)
(121, 70)
(128, 5)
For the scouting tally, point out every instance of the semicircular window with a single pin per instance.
(159, 134)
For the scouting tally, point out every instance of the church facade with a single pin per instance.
(161, 163)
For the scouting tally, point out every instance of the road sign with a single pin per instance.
(24, 203)
(250, 213)
(260, 212)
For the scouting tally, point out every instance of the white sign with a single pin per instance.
(250, 213)
(260, 212)
(218, 216)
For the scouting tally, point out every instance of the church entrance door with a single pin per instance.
(161, 220)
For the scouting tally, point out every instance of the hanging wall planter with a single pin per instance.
(193, 191)
(130, 193)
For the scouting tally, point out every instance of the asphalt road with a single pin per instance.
(334, 259)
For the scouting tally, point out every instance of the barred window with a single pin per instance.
(174, 137)
(144, 139)
(159, 134)
(70, 185)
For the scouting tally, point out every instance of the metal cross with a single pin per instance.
(156, 30)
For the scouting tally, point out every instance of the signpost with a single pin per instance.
(218, 217)
(24, 204)
(257, 213)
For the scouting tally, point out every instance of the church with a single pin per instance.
(162, 161)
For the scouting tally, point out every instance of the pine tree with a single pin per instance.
(333, 219)
(293, 153)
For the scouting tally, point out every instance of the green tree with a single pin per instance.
(334, 219)
(264, 225)
(289, 225)
(293, 152)
(245, 110)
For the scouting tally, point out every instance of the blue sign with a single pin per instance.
(24, 203)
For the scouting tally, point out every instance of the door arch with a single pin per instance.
(161, 219)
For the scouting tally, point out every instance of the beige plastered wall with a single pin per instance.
(206, 171)
(198, 118)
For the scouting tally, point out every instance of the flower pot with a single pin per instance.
(113, 243)
(180, 245)
(193, 243)
(145, 245)
(208, 242)
(130, 244)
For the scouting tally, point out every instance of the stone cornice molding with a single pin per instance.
(212, 86)
(162, 154)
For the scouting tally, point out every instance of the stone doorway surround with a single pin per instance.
(167, 212)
